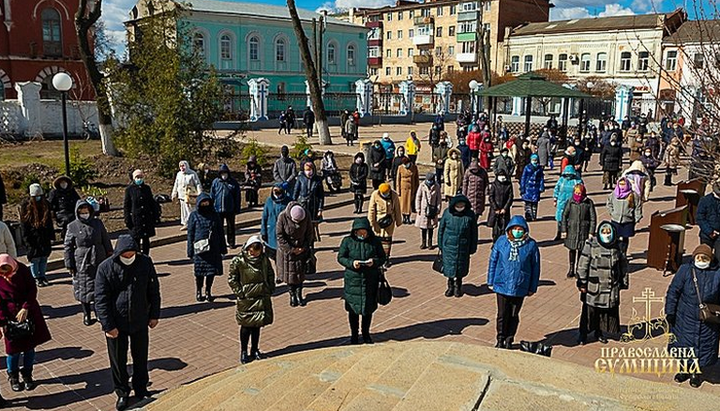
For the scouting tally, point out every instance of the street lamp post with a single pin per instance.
(63, 83)
(473, 98)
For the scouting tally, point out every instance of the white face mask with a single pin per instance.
(605, 238)
(64, 185)
(127, 261)
(460, 208)
(502, 179)
(702, 264)
(224, 176)
(84, 216)
(308, 173)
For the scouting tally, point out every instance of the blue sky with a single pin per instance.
(116, 11)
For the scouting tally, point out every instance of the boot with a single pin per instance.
(199, 297)
(367, 339)
(423, 246)
(696, 380)
(571, 270)
(668, 180)
(500, 342)
(558, 236)
(299, 297)
(293, 298)
(451, 288)
(245, 358)
(208, 296)
(27, 379)
(458, 287)
(14, 379)
(3, 402)
(509, 343)
(430, 237)
(681, 377)
(600, 337)
(354, 338)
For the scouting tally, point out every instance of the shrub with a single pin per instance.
(253, 148)
(82, 170)
(301, 144)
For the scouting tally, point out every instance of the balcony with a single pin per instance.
(464, 37)
(466, 57)
(423, 59)
(423, 39)
(374, 24)
(375, 42)
(374, 61)
(421, 20)
(467, 16)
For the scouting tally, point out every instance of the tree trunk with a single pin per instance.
(484, 55)
(311, 74)
(84, 22)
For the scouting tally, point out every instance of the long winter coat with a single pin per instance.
(38, 239)
(564, 189)
(620, 210)
(16, 293)
(407, 182)
(532, 183)
(187, 185)
(140, 210)
(505, 164)
(253, 282)
(672, 154)
(427, 195)
(203, 226)
(457, 238)
(611, 158)
(486, 153)
(636, 148)
(360, 285)
(543, 149)
(578, 222)
(500, 198)
(522, 159)
(226, 193)
(272, 209)
(453, 174)
(127, 297)
(682, 302)
(359, 175)
(475, 184)
(87, 244)
(309, 192)
(708, 216)
(514, 278)
(603, 272)
(292, 268)
(379, 208)
(62, 201)
(376, 162)
(284, 171)
(473, 140)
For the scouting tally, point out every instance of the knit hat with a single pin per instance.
(252, 240)
(297, 213)
(384, 188)
(703, 249)
(137, 173)
(36, 190)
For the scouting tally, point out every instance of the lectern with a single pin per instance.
(667, 239)
(689, 193)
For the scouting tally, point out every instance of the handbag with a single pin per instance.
(438, 263)
(202, 246)
(387, 220)
(709, 313)
(384, 293)
(431, 211)
(15, 330)
(536, 347)
(311, 263)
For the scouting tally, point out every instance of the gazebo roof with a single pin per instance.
(531, 85)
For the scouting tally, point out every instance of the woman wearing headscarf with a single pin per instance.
(397, 162)
(563, 192)
(513, 274)
(87, 244)
(457, 240)
(38, 232)
(362, 255)
(205, 246)
(309, 192)
(358, 181)
(274, 205)
(475, 183)
(428, 203)
(407, 184)
(672, 159)
(578, 224)
(253, 181)
(294, 237)
(532, 185)
(602, 273)
(622, 204)
(522, 157)
(18, 302)
(384, 214)
(252, 279)
(500, 199)
(639, 180)
(453, 174)
(187, 188)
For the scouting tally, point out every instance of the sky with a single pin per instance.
(116, 11)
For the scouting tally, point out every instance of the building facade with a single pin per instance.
(38, 40)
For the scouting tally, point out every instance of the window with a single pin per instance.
(562, 62)
(451, 69)
(199, 44)
(411, 13)
(400, 15)
(453, 10)
(424, 70)
(440, 11)
(254, 48)
(388, 35)
(387, 71)
(51, 33)
(438, 32)
(331, 55)
(398, 71)
(411, 33)
(472, 6)
(547, 62)
(375, 34)
(625, 62)
(515, 64)
(388, 53)
(468, 27)
(585, 62)
(374, 52)
(388, 17)
(699, 60)
(373, 71)
(601, 62)
(438, 70)
(280, 48)
(451, 50)
(399, 34)
(528, 63)
(451, 31)
(468, 47)
(398, 53)
(438, 51)
(671, 60)
(410, 70)
(643, 61)
(487, 5)
(225, 51)
(351, 55)
(425, 12)
(411, 52)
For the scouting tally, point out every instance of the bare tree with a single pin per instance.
(86, 17)
(311, 74)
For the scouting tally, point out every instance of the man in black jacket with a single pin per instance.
(127, 302)
(309, 120)
(63, 198)
(140, 211)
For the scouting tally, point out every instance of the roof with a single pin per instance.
(696, 31)
(591, 24)
(531, 85)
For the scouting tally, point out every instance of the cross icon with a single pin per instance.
(648, 297)
(262, 91)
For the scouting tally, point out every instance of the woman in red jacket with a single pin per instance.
(473, 140)
(486, 153)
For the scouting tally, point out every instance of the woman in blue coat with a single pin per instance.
(513, 274)
(457, 239)
(563, 193)
(683, 314)
(532, 184)
(204, 224)
(274, 205)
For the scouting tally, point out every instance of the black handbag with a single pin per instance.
(386, 221)
(384, 293)
(438, 263)
(536, 348)
(431, 211)
(311, 263)
(15, 330)
(709, 313)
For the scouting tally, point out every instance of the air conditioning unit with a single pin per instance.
(575, 59)
(508, 69)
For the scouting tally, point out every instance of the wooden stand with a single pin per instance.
(667, 239)
(689, 193)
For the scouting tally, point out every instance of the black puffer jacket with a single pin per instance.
(377, 156)
(63, 200)
(127, 297)
(140, 210)
(611, 158)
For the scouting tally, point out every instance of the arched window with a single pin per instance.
(199, 44)
(254, 48)
(351, 55)
(601, 62)
(585, 62)
(52, 34)
(331, 55)
(280, 50)
(625, 61)
(226, 54)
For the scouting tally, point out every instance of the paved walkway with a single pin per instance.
(195, 340)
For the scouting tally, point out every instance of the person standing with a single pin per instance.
(486, 152)
(602, 273)
(384, 214)
(543, 149)
(413, 146)
(274, 205)
(86, 245)
(439, 155)
(396, 164)
(290, 120)
(610, 161)
(377, 164)
(358, 181)
(651, 164)
(513, 274)
(18, 294)
(622, 205)
(522, 157)
(389, 146)
(639, 180)
(187, 188)
(532, 185)
(578, 224)
(672, 160)
(309, 192)
(473, 140)
(563, 192)
(225, 194)
(464, 152)
(205, 246)
(428, 203)
(140, 211)
(500, 198)
(283, 122)
(62, 199)
(695, 283)
(457, 240)
(475, 184)
(7, 243)
(309, 121)
(569, 158)
(38, 232)
(407, 181)
(294, 237)
(284, 170)
(708, 219)
(253, 181)
(504, 163)
(127, 303)
(349, 130)
(362, 255)
(453, 174)
(252, 279)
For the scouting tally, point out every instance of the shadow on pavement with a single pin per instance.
(179, 311)
(64, 353)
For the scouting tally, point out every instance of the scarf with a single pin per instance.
(620, 192)
(515, 246)
(6, 259)
(579, 193)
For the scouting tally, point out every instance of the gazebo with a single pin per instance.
(531, 85)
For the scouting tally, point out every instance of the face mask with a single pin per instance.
(534, 162)
(502, 179)
(429, 182)
(577, 143)
(648, 154)
(639, 140)
(460, 208)
(84, 216)
(358, 161)
(127, 261)
(702, 264)
(360, 237)
(38, 198)
(224, 176)
(407, 165)
(605, 238)
(385, 195)
(504, 155)
(309, 173)
(139, 181)
(612, 143)
(517, 233)
(64, 185)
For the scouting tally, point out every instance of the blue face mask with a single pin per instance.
(38, 198)
(517, 233)
(139, 181)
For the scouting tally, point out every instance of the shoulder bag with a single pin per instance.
(16, 330)
(384, 294)
(387, 220)
(438, 263)
(202, 246)
(709, 313)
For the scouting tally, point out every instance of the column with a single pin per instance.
(259, 88)
(444, 90)
(407, 89)
(364, 92)
(29, 97)
(516, 106)
(623, 99)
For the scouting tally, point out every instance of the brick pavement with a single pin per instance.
(195, 340)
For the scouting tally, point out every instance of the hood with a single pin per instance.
(569, 171)
(636, 165)
(360, 155)
(613, 242)
(202, 197)
(188, 170)
(329, 153)
(460, 198)
(314, 168)
(223, 169)
(252, 159)
(57, 181)
(359, 223)
(519, 221)
(125, 243)
(82, 203)
(454, 150)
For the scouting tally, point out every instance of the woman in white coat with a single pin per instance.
(187, 188)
